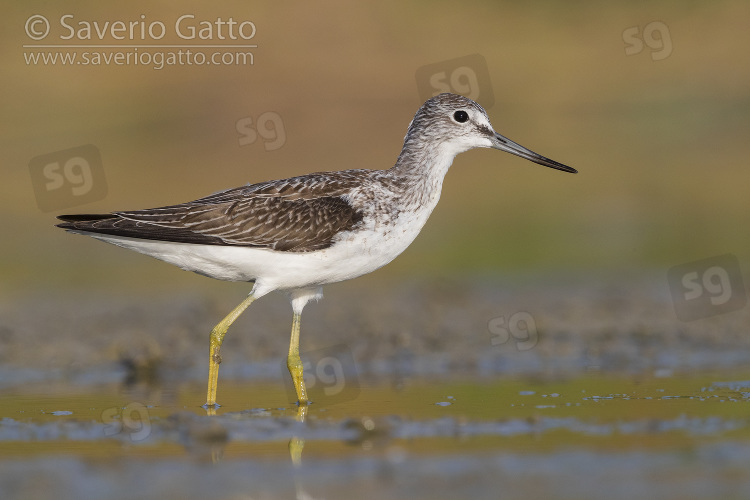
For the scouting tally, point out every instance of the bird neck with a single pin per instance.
(423, 165)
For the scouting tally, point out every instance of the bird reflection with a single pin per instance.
(296, 444)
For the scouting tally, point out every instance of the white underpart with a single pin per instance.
(356, 253)
(373, 244)
(376, 241)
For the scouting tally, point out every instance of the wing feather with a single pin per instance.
(300, 214)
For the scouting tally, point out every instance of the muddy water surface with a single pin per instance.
(615, 397)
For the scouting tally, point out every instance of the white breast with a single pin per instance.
(391, 222)
(372, 245)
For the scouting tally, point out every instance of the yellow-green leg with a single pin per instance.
(294, 363)
(215, 340)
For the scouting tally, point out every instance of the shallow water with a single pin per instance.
(441, 438)
(416, 395)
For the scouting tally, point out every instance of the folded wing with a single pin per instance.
(291, 215)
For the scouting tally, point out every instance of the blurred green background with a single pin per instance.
(660, 142)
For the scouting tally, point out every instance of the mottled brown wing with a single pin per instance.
(295, 215)
(267, 222)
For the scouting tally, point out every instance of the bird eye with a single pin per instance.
(461, 116)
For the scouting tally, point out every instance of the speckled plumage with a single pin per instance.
(301, 233)
(339, 216)
(300, 214)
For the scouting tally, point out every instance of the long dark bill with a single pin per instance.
(504, 144)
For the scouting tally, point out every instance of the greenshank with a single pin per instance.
(296, 235)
